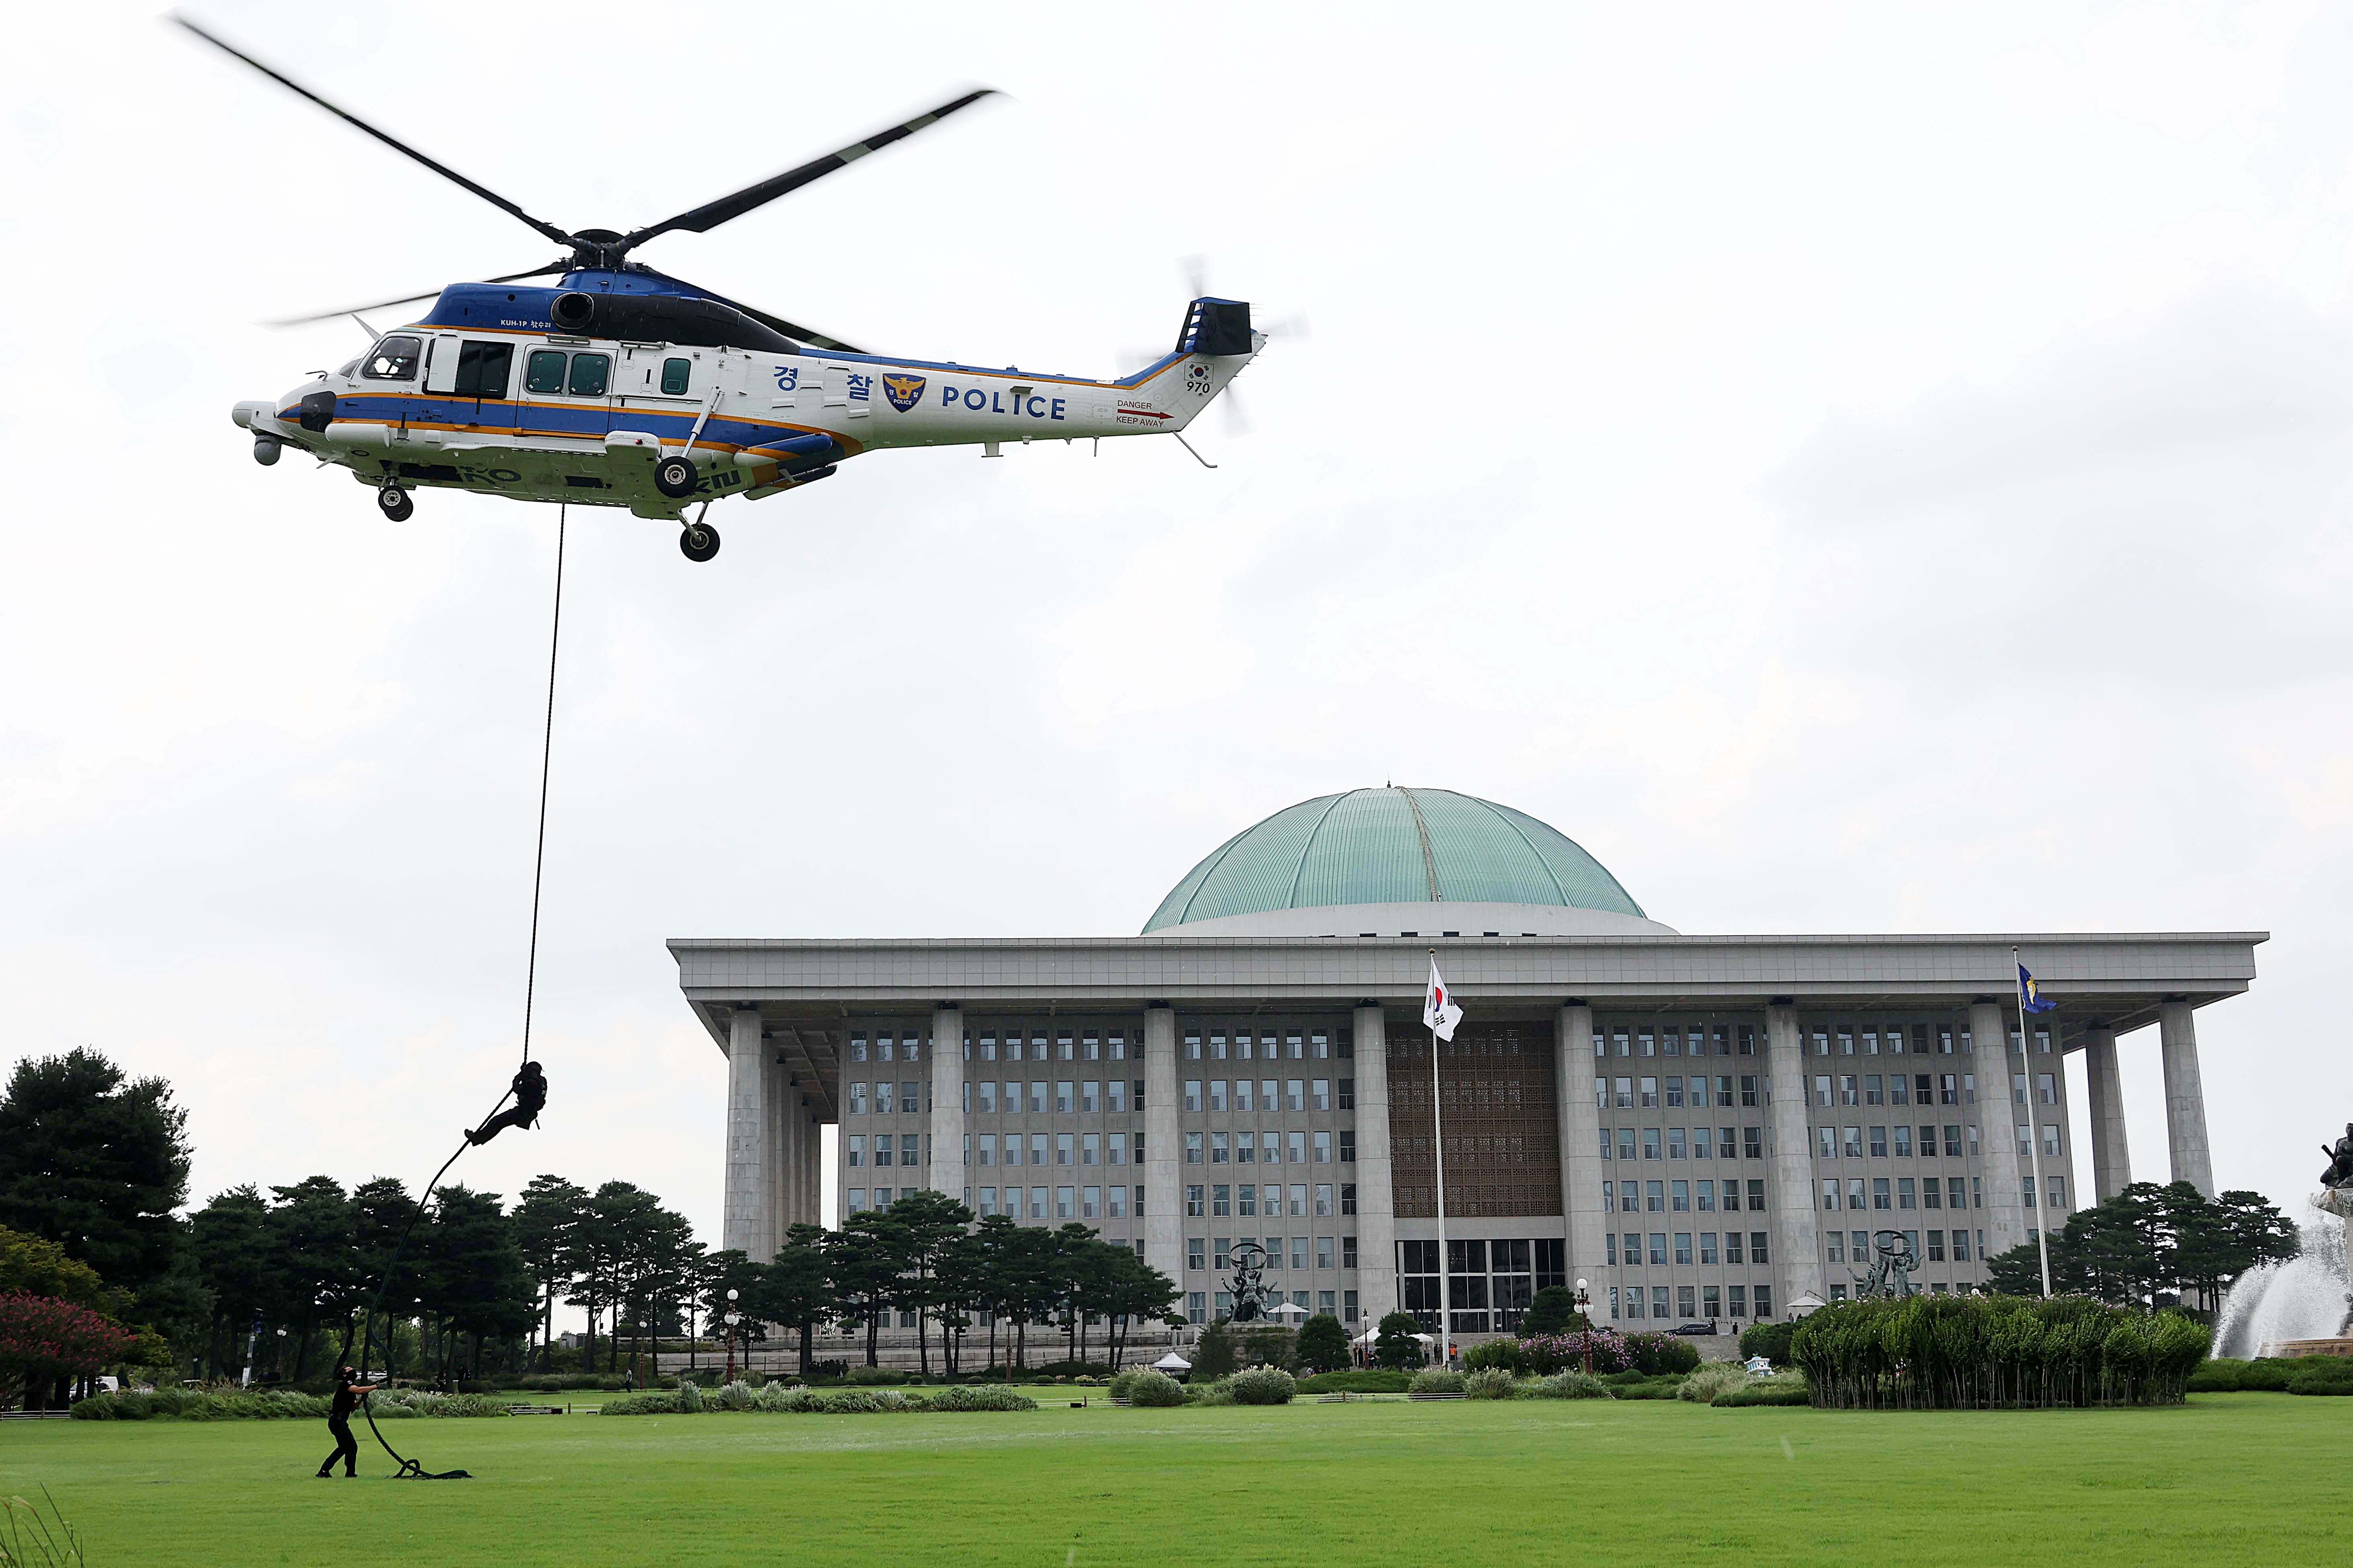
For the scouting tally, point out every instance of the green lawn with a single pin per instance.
(2240, 1477)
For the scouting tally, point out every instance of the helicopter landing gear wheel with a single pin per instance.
(698, 541)
(394, 502)
(675, 478)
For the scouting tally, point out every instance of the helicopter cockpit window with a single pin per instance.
(543, 371)
(589, 374)
(675, 374)
(394, 359)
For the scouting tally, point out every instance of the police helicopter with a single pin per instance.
(619, 385)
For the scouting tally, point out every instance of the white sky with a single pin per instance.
(1854, 470)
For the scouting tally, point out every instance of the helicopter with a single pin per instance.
(620, 385)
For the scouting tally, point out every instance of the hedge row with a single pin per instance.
(1974, 1353)
(2323, 1376)
(799, 1399)
(204, 1405)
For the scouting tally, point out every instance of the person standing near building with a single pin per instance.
(346, 1399)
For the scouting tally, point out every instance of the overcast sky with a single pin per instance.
(1872, 469)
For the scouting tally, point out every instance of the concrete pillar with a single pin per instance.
(1377, 1283)
(812, 1202)
(1999, 1116)
(1796, 1226)
(1580, 1150)
(948, 1175)
(1164, 1190)
(750, 1134)
(776, 1155)
(2185, 1097)
(2111, 1158)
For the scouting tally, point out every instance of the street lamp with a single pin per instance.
(732, 1321)
(1584, 1303)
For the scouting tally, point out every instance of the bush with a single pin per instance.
(2266, 1374)
(997, 1397)
(1323, 1343)
(875, 1376)
(642, 1405)
(689, 1397)
(1659, 1354)
(1437, 1379)
(1995, 1352)
(2322, 1375)
(1552, 1310)
(1770, 1340)
(2218, 1374)
(1492, 1382)
(1059, 1370)
(1626, 1378)
(562, 1381)
(1262, 1385)
(1567, 1386)
(1395, 1346)
(1549, 1354)
(1781, 1389)
(1650, 1388)
(1378, 1381)
(1222, 1392)
(1504, 1355)
(1717, 1377)
(1156, 1390)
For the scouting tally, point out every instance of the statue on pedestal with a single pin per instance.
(1891, 1268)
(2340, 1174)
(1250, 1295)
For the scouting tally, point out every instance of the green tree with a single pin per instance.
(862, 1269)
(95, 1162)
(919, 1226)
(545, 1221)
(40, 1267)
(1395, 1346)
(1323, 1343)
(1553, 1311)
(314, 1263)
(473, 1278)
(795, 1289)
(234, 1258)
(381, 1214)
(1214, 1356)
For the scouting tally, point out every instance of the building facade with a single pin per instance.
(1704, 1128)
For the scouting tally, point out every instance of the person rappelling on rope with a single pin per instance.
(530, 1092)
(339, 1422)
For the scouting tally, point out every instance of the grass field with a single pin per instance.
(2240, 1477)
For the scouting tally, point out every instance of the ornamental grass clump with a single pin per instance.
(1262, 1385)
(1491, 1383)
(1780, 1388)
(1148, 1387)
(997, 1397)
(1976, 1353)
(1437, 1379)
(689, 1396)
(1565, 1385)
(1717, 1377)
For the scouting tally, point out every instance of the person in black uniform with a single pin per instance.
(339, 1422)
(530, 1100)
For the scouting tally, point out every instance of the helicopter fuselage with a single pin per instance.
(487, 394)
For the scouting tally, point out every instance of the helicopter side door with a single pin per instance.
(568, 392)
(472, 375)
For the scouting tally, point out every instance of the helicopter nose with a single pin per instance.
(245, 414)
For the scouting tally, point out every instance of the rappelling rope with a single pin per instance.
(410, 1468)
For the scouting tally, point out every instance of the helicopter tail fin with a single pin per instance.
(1218, 328)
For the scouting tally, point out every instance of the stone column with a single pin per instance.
(2104, 1092)
(1376, 1286)
(812, 1209)
(751, 1135)
(1580, 1152)
(1164, 1189)
(1999, 1116)
(948, 1175)
(1796, 1227)
(2185, 1097)
(777, 1158)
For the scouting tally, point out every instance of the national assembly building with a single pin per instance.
(1706, 1129)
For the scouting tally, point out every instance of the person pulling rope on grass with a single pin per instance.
(530, 1093)
(339, 1422)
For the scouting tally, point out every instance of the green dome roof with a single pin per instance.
(1392, 847)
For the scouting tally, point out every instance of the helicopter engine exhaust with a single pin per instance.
(573, 311)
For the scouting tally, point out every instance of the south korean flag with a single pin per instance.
(1438, 1012)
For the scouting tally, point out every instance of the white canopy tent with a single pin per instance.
(1172, 1363)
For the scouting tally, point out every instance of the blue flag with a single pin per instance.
(2029, 997)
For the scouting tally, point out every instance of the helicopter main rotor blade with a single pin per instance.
(711, 215)
(560, 235)
(553, 266)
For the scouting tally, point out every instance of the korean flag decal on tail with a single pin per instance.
(904, 391)
(1197, 379)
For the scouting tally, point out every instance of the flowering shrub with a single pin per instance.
(46, 1336)
(1565, 1352)
(1492, 1382)
(1262, 1385)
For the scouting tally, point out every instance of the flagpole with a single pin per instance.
(1438, 1147)
(2033, 1133)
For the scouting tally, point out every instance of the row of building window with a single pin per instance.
(1644, 1093)
(1895, 1088)
(1220, 1200)
(1057, 1148)
(1266, 1148)
(1067, 1202)
(1632, 1253)
(1196, 1305)
(1878, 1194)
(1829, 1145)
(1086, 1097)
(1676, 1041)
(1205, 1253)
(1678, 1196)
(1298, 1045)
(1691, 1303)
(1839, 1246)
(1271, 1094)
(1678, 1143)
(1489, 1283)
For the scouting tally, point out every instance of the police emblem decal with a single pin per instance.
(1197, 379)
(904, 391)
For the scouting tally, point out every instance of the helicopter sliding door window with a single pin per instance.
(394, 359)
(590, 374)
(543, 371)
(677, 375)
(482, 372)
